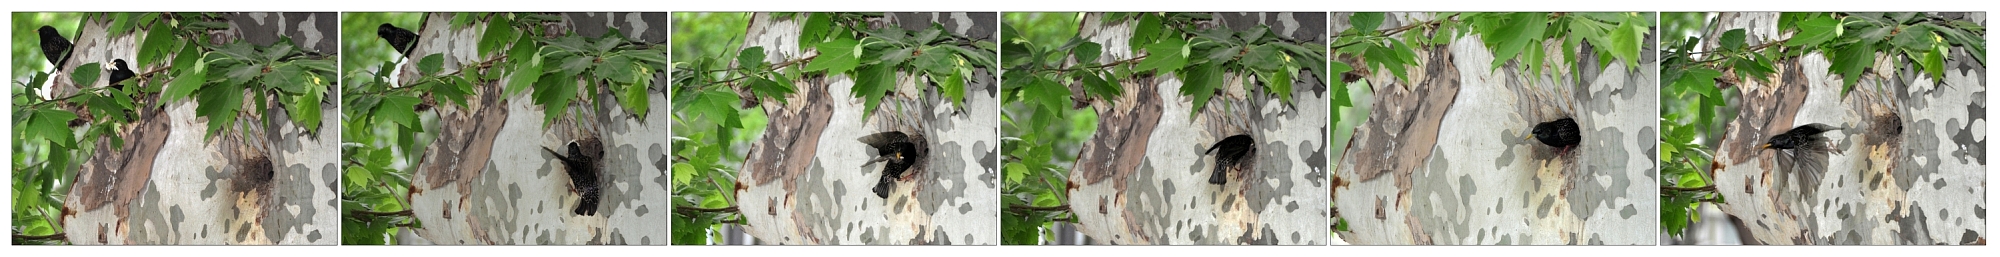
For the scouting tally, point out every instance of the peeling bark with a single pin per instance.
(1142, 177)
(1912, 166)
(804, 182)
(275, 186)
(1447, 160)
(486, 179)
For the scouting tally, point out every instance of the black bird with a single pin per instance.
(401, 39)
(119, 74)
(897, 152)
(581, 164)
(1234, 148)
(1561, 133)
(54, 46)
(1803, 151)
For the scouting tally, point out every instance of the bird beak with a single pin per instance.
(1767, 146)
(1531, 136)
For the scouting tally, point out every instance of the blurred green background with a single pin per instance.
(27, 46)
(360, 48)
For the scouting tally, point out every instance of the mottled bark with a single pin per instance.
(1911, 167)
(486, 180)
(804, 182)
(196, 194)
(1142, 178)
(1446, 160)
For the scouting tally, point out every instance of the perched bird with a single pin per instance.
(897, 152)
(1803, 151)
(401, 39)
(119, 73)
(1234, 148)
(1561, 133)
(581, 164)
(54, 46)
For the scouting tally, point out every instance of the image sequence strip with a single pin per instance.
(1013, 129)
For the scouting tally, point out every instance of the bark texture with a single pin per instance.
(804, 182)
(1912, 167)
(1447, 160)
(192, 195)
(485, 180)
(1142, 177)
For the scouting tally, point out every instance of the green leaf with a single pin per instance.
(1087, 52)
(1849, 61)
(1278, 82)
(1521, 31)
(1933, 62)
(1732, 40)
(1813, 31)
(1340, 98)
(751, 58)
(431, 64)
(400, 110)
(499, 32)
(1365, 22)
(1145, 32)
(954, 86)
(635, 100)
(1097, 86)
(160, 41)
(872, 83)
(53, 124)
(1265, 57)
(1625, 43)
(190, 79)
(1199, 83)
(524, 75)
(1165, 56)
(85, 75)
(219, 103)
(1052, 95)
(817, 27)
(835, 57)
(287, 78)
(616, 68)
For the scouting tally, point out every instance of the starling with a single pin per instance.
(54, 46)
(1234, 148)
(1561, 133)
(1803, 151)
(401, 39)
(582, 169)
(897, 152)
(119, 74)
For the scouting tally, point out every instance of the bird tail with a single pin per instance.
(1221, 174)
(588, 205)
(882, 188)
(1211, 149)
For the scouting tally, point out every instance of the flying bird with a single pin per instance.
(1234, 148)
(897, 152)
(581, 165)
(1803, 151)
(54, 46)
(401, 39)
(1560, 133)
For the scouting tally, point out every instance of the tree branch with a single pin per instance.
(685, 209)
(1709, 188)
(404, 213)
(56, 236)
(1064, 207)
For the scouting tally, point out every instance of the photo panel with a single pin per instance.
(1498, 128)
(1815, 128)
(185, 128)
(1165, 128)
(505, 129)
(835, 129)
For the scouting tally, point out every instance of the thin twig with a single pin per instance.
(56, 236)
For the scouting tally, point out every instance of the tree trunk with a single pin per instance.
(1446, 160)
(804, 181)
(486, 178)
(1143, 177)
(191, 196)
(1911, 167)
